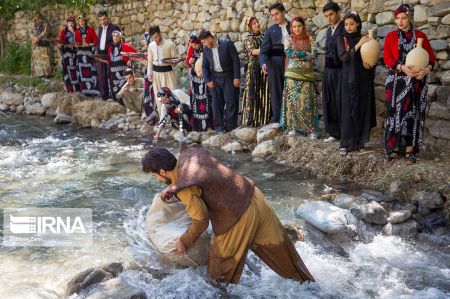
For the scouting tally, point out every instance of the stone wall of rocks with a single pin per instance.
(227, 18)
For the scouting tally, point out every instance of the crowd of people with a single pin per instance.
(280, 86)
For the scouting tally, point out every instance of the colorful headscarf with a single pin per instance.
(300, 42)
(405, 8)
(250, 23)
(194, 39)
(117, 32)
(165, 91)
(71, 19)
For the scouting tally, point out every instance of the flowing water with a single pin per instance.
(43, 165)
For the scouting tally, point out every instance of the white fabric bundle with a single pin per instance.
(166, 222)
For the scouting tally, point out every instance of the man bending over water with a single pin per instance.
(241, 216)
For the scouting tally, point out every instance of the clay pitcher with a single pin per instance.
(418, 57)
(370, 51)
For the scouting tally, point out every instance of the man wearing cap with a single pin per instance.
(331, 83)
(158, 71)
(105, 35)
(132, 92)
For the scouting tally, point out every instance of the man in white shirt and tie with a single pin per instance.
(221, 72)
(105, 34)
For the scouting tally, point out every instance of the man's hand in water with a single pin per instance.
(181, 249)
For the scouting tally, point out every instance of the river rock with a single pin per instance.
(95, 123)
(371, 212)
(344, 201)
(326, 217)
(234, 146)
(10, 98)
(264, 149)
(116, 288)
(267, 132)
(35, 109)
(4, 107)
(407, 228)
(195, 136)
(92, 276)
(245, 134)
(63, 118)
(20, 109)
(427, 201)
(431, 222)
(371, 195)
(399, 216)
(48, 100)
(322, 240)
(212, 142)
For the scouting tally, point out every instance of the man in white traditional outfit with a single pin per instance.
(158, 71)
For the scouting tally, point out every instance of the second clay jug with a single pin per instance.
(370, 52)
(418, 57)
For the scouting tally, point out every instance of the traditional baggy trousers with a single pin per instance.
(259, 230)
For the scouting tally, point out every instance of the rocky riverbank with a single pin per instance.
(365, 167)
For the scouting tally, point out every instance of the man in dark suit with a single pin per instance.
(221, 72)
(272, 57)
(105, 40)
(331, 83)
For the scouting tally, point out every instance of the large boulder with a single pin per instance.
(245, 134)
(327, 217)
(268, 132)
(35, 109)
(264, 149)
(212, 142)
(233, 146)
(67, 101)
(49, 100)
(427, 201)
(92, 276)
(371, 212)
(10, 98)
(84, 112)
(116, 288)
(400, 216)
(63, 118)
(407, 228)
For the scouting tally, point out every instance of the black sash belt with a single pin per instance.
(276, 52)
(162, 68)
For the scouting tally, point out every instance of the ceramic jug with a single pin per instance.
(418, 57)
(370, 51)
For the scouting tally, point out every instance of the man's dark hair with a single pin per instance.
(331, 6)
(128, 72)
(158, 158)
(102, 13)
(154, 29)
(204, 34)
(278, 6)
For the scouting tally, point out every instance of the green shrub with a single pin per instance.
(17, 59)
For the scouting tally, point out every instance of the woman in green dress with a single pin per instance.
(299, 113)
(255, 98)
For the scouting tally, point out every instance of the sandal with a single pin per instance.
(388, 157)
(343, 152)
(410, 158)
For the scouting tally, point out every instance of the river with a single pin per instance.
(45, 165)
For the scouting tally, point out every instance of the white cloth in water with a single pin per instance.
(166, 222)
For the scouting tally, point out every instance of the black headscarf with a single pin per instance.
(353, 38)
